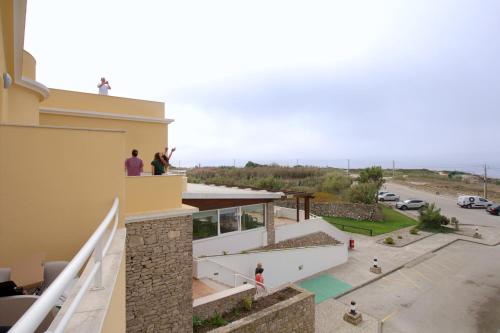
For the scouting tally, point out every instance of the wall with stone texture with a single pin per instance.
(159, 275)
(295, 314)
(221, 302)
(351, 210)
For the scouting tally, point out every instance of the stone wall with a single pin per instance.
(221, 302)
(351, 210)
(159, 275)
(295, 314)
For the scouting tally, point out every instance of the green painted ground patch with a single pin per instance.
(325, 286)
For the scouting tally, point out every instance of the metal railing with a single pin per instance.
(343, 227)
(96, 244)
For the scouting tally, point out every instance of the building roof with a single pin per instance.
(203, 191)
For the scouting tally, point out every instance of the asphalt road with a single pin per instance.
(447, 204)
(455, 290)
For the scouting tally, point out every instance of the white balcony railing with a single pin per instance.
(97, 244)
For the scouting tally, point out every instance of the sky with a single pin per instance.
(313, 82)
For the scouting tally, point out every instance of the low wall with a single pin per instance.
(294, 230)
(280, 266)
(288, 213)
(230, 243)
(221, 302)
(295, 314)
(351, 210)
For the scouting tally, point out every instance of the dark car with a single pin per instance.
(493, 209)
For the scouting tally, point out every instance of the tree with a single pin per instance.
(251, 164)
(373, 175)
(363, 193)
(336, 183)
(430, 217)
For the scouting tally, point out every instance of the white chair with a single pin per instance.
(51, 269)
(4, 274)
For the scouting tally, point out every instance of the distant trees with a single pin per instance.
(370, 181)
(336, 183)
(363, 193)
(251, 164)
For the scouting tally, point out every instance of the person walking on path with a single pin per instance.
(259, 278)
(103, 86)
(134, 165)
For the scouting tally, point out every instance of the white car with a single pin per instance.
(388, 197)
(473, 201)
(411, 204)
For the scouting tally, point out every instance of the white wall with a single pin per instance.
(280, 266)
(289, 213)
(310, 226)
(231, 243)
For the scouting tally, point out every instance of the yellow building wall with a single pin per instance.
(22, 106)
(75, 100)
(5, 45)
(56, 187)
(150, 194)
(29, 66)
(148, 138)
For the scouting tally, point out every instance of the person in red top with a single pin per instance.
(134, 165)
(259, 278)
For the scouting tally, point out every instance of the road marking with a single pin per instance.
(422, 275)
(410, 280)
(386, 318)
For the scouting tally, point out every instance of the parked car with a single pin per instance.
(473, 201)
(494, 209)
(382, 192)
(388, 196)
(411, 204)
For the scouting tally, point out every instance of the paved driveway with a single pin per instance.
(447, 204)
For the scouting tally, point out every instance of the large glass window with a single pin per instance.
(205, 224)
(229, 220)
(252, 217)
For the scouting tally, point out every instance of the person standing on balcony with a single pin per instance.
(134, 165)
(166, 157)
(158, 165)
(103, 86)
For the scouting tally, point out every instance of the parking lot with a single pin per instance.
(447, 204)
(455, 290)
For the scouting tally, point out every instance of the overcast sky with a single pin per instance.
(319, 81)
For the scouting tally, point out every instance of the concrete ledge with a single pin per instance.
(185, 210)
(95, 304)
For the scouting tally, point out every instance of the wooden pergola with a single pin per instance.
(307, 201)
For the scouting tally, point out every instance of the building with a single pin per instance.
(129, 240)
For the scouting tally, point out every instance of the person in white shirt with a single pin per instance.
(103, 86)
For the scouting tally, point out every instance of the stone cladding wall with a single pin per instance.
(351, 210)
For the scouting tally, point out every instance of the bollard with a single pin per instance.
(351, 244)
(376, 268)
(353, 317)
(477, 234)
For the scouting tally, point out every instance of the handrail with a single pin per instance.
(97, 245)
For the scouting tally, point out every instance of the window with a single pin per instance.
(229, 220)
(205, 224)
(252, 217)
(483, 200)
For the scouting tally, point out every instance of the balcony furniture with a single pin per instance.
(51, 270)
(4, 274)
(13, 307)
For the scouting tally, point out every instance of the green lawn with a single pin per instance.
(393, 220)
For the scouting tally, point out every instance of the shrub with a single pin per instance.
(389, 241)
(454, 221)
(336, 183)
(217, 320)
(197, 321)
(414, 231)
(400, 237)
(247, 303)
(430, 217)
(363, 193)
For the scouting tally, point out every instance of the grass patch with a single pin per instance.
(393, 220)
